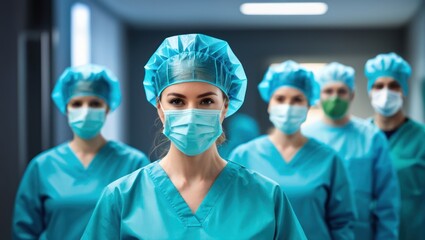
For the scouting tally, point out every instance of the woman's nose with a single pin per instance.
(191, 105)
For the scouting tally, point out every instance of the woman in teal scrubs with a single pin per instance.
(310, 173)
(61, 186)
(195, 81)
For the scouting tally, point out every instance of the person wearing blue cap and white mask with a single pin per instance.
(309, 172)
(387, 76)
(194, 81)
(365, 154)
(61, 186)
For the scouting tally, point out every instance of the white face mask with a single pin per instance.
(386, 102)
(288, 118)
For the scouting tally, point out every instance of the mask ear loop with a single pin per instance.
(163, 111)
(221, 109)
(162, 108)
(224, 104)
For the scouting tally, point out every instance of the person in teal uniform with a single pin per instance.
(387, 76)
(365, 153)
(194, 81)
(310, 173)
(61, 186)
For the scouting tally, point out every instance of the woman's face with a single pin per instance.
(87, 102)
(289, 96)
(190, 95)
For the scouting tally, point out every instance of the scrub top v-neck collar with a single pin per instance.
(298, 156)
(73, 159)
(164, 184)
(336, 128)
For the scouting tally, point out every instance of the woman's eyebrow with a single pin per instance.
(207, 94)
(176, 95)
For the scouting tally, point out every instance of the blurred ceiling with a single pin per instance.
(226, 13)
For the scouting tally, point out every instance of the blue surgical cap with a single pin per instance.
(87, 80)
(388, 65)
(196, 58)
(337, 72)
(288, 73)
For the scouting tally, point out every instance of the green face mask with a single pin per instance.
(335, 107)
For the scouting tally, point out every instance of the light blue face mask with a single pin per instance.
(86, 122)
(192, 131)
(287, 118)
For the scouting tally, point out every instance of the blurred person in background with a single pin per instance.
(61, 186)
(241, 128)
(387, 76)
(310, 173)
(365, 153)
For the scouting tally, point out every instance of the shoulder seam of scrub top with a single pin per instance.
(319, 145)
(241, 149)
(59, 148)
(402, 128)
(408, 126)
(250, 142)
(122, 146)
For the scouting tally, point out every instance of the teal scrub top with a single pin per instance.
(57, 194)
(240, 204)
(315, 182)
(407, 146)
(365, 153)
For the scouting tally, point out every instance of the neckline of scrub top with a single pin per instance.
(400, 130)
(297, 156)
(173, 196)
(395, 132)
(329, 127)
(101, 154)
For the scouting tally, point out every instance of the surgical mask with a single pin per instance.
(192, 131)
(287, 118)
(335, 107)
(386, 102)
(86, 122)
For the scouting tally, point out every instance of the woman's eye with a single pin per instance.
(207, 101)
(280, 99)
(378, 86)
(76, 104)
(176, 101)
(95, 104)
